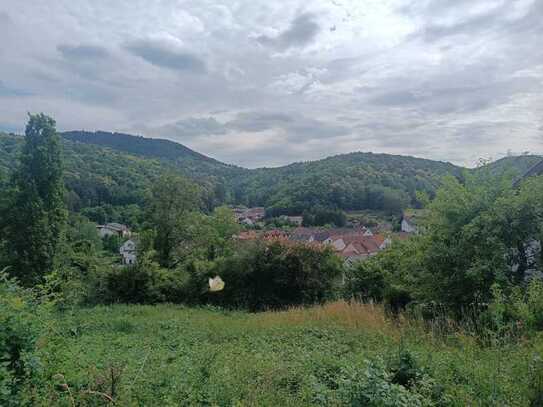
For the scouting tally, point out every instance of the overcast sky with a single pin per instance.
(265, 83)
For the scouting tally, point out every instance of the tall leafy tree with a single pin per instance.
(170, 200)
(36, 213)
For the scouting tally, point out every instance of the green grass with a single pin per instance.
(171, 355)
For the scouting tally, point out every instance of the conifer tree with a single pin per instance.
(36, 212)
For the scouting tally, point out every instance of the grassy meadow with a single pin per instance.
(337, 354)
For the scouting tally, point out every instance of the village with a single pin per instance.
(353, 244)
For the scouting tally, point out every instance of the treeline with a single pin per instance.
(103, 184)
(181, 242)
(349, 182)
(479, 256)
(108, 173)
(481, 238)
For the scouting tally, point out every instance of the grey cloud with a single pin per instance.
(192, 127)
(184, 130)
(82, 52)
(296, 126)
(160, 54)
(4, 18)
(93, 94)
(395, 98)
(496, 21)
(434, 97)
(10, 128)
(378, 89)
(302, 31)
(9, 91)
(259, 121)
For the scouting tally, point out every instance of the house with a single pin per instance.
(356, 244)
(302, 234)
(411, 220)
(128, 252)
(247, 222)
(408, 224)
(275, 234)
(358, 248)
(246, 235)
(113, 229)
(249, 216)
(295, 220)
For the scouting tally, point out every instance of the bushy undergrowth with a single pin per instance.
(20, 328)
(336, 354)
(259, 276)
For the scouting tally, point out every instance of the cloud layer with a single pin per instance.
(256, 83)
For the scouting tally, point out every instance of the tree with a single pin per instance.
(170, 200)
(36, 210)
(320, 216)
(210, 236)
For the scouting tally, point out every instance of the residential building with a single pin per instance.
(128, 252)
(113, 229)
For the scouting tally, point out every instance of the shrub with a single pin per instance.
(19, 331)
(528, 306)
(365, 282)
(276, 275)
(143, 283)
(372, 386)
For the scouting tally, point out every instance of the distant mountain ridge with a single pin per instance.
(115, 168)
(139, 145)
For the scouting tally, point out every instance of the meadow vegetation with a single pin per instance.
(450, 317)
(340, 353)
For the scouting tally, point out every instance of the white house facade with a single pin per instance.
(128, 252)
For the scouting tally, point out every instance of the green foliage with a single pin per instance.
(107, 173)
(169, 355)
(320, 216)
(171, 199)
(475, 235)
(19, 331)
(206, 237)
(274, 275)
(36, 214)
(144, 283)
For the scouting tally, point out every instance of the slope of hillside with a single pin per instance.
(514, 166)
(349, 181)
(115, 169)
(105, 183)
(189, 161)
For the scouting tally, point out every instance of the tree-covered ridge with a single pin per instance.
(515, 165)
(116, 169)
(95, 174)
(104, 184)
(348, 181)
(189, 161)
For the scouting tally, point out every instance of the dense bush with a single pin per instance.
(320, 216)
(19, 331)
(276, 275)
(476, 236)
(144, 283)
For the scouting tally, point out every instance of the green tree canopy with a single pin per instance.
(36, 213)
(170, 200)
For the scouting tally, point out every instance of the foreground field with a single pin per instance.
(340, 354)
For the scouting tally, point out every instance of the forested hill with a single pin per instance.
(181, 156)
(106, 184)
(107, 175)
(349, 181)
(515, 165)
